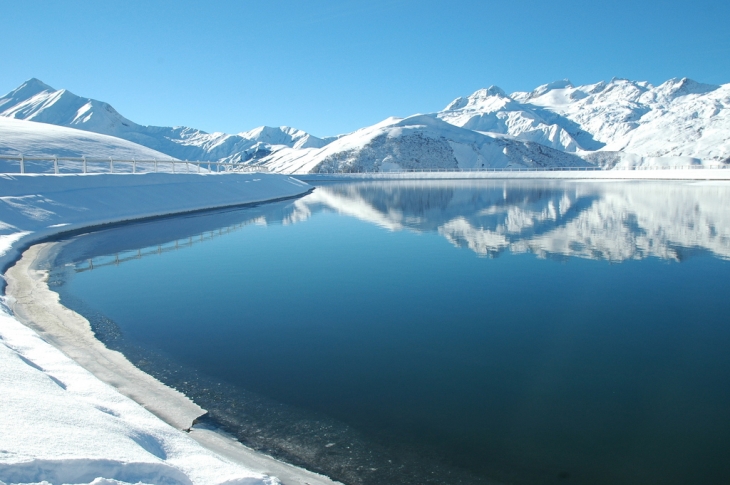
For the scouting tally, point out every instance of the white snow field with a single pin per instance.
(60, 423)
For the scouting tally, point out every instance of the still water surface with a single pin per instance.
(439, 332)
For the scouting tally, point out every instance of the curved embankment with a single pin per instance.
(35, 305)
(34, 208)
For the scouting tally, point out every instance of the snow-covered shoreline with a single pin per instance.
(36, 207)
(64, 424)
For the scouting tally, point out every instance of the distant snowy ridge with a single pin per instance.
(36, 101)
(624, 123)
(418, 142)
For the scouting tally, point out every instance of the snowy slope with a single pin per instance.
(626, 122)
(36, 101)
(491, 110)
(39, 139)
(418, 142)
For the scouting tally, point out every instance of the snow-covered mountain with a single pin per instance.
(36, 101)
(618, 122)
(615, 124)
(492, 110)
(418, 142)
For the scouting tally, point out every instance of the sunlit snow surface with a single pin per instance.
(405, 332)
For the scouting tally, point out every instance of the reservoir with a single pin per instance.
(438, 332)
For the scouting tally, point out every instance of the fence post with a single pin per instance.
(173, 166)
(187, 167)
(155, 164)
(198, 167)
(111, 165)
(84, 164)
(22, 164)
(134, 165)
(55, 165)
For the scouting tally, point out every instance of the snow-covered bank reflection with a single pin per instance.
(613, 221)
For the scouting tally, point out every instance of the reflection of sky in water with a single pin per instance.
(353, 308)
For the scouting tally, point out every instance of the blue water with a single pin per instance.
(439, 332)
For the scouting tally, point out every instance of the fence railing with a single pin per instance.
(58, 165)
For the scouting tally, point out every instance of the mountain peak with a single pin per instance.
(36, 84)
(490, 91)
(27, 90)
(676, 87)
(479, 97)
(546, 88)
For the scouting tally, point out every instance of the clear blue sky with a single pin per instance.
(330, 67)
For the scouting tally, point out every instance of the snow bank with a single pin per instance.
(61, 424)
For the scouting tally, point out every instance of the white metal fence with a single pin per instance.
(61, 165)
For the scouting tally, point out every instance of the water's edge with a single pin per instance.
(35, 305)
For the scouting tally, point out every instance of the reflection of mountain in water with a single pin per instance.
(615, 221)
